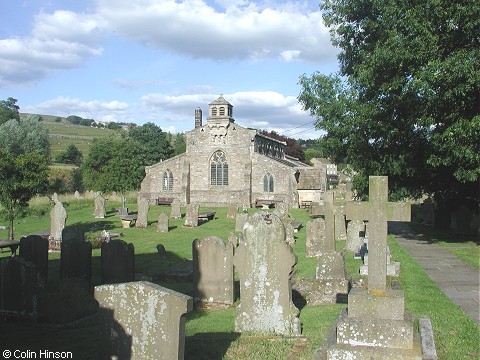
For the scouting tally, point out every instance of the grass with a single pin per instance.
(210, 333)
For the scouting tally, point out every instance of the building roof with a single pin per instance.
(220, 101)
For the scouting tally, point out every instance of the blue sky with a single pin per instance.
(157, 60)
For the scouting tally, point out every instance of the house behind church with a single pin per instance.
(225, 163)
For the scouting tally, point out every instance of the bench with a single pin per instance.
(164, 201)
(206, 216)
(297, 225)
(266, 203)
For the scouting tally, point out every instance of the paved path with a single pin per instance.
(459, 281)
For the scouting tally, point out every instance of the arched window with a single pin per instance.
(167, 181)
(268, 183)
(222, 111)
(214, 111)
(218, 169)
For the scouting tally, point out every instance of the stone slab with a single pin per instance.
(388, 304)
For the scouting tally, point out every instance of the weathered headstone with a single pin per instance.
(290, 234)
(393, 267)
(142, 217)
(376, 325)
(316, 238)
(99, 208)
(19, 281)
(191, 217)
(233, 239)
(240, 221)
(176, 213)
(355, 229)
(232, 211)
(141, 320)
(213, 271)
(264, 262)
(34, 248)
(76, 262)
(118, 262)
(340, 224)
(77, 195)
(58, 216)
(281, 210)
(162, 223)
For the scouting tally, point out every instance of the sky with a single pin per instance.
(157, 60)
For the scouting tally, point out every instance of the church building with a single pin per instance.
(225, 163)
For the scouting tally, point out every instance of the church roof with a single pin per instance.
(220, 101)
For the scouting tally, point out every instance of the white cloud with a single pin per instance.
(243, 30)
(62, 40)
(64, 106)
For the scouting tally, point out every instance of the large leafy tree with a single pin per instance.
(24, 136)
(406, 102)
(8, 110)
(157, 147)
(71, 155)
(21, 177)
(115, 163)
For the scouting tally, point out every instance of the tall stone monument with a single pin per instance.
(99, 209)
(142, 216)
(264, 262)
(376, 326)
(191, 216)
(58, 216)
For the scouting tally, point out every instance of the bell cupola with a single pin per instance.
(220, 112)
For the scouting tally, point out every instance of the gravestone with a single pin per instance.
(233, 239)
(316, 237)
(76, 260)
(232, 211)
(240, 221)
(142, 217)
(99, 206)
(162, 223)
(393, 267)
(191, 217)
(376, 325)
(281, 210)
(58, 216)
(340, 224)
(77, 195)
(290, 234)
(19, 281)
(118, 262)
(355, 229)
(176, 213)
(213, 271)
(34, 248)
(264, 263)
(141, 320)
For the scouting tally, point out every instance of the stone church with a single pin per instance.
(225, 163)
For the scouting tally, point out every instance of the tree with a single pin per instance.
(71, 156)
(179, 144)
(114, 163)
(21, 177)
(9, 110)
(154, 140)
(24, 136)
(406, 102)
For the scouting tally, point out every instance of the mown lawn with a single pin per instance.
(210, 333)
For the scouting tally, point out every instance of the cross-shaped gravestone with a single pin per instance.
(327, 210)
(377, 211)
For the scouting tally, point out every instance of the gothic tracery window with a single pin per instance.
(218, 169)
(167, 181)
(268, 183)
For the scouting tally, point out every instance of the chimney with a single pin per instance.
(198, 117)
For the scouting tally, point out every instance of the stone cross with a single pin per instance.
(378, 211)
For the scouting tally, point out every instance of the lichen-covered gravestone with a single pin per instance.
(99, 208)
(191, 217)
(162, 223)
(142, 216)
(34, 248)
(290, 234)
(316, 237)
(213, 271)
(141, 321)
(118, 262)
(264, 262)
(355, 229)
(58, 216)
(176, 213)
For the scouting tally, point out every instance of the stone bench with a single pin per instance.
(266, 203)
(297, 225)
(206, 216)
(164, 201)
